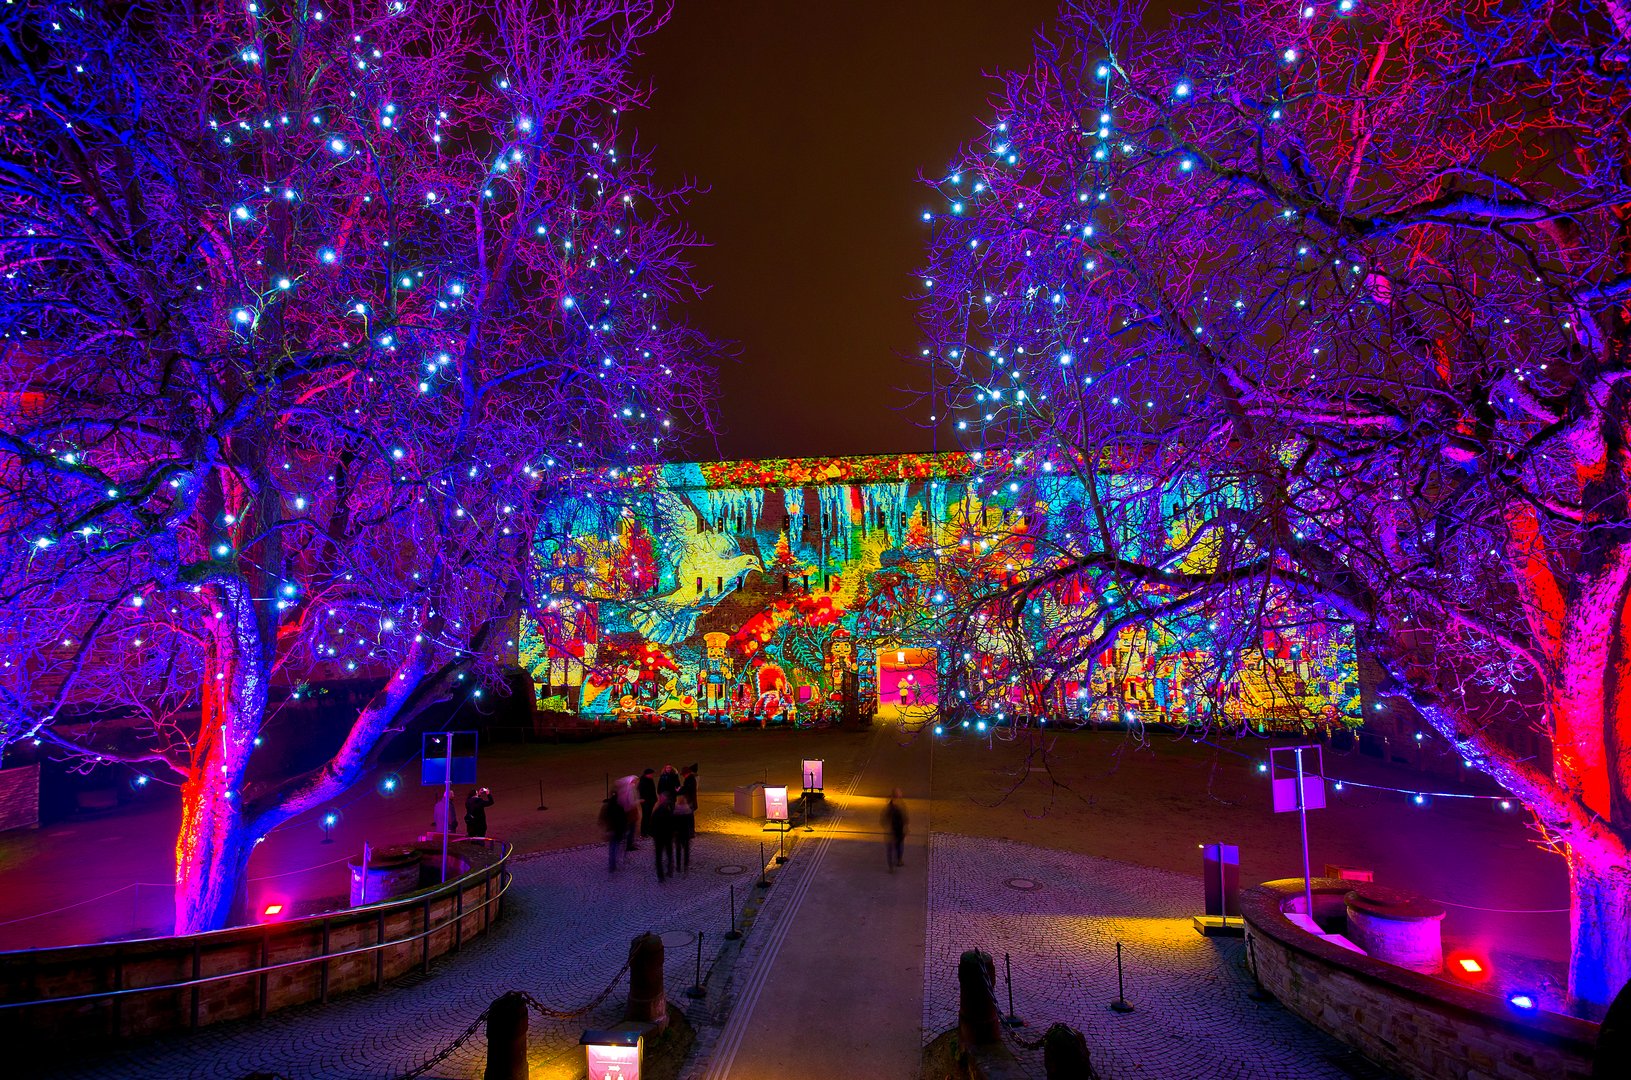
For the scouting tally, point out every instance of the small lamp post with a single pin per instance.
(614, 1055)
(328, 821)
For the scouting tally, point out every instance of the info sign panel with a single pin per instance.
(812, 774)
(435, 762)
(775, 804)
(613, 1062)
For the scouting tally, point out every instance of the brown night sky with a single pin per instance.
(809, 124)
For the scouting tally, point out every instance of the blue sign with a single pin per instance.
(436, 763)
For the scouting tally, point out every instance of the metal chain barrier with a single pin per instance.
(556, 1014)
(448, 1050)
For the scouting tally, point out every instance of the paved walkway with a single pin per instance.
(837, 986)
(565, 932)
(1059, 916)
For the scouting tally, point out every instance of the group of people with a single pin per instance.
(661, 807)
(444, 818)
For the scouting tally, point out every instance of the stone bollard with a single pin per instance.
(1064, 1054)
(507, 1039)
(647, 1002)
(978, 1021)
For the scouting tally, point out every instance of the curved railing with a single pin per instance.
(153, 985)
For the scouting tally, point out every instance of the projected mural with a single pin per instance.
(781, 591)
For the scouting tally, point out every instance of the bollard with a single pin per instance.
(1065, 1056)
(977, 1021)
(696, 991)
(735, 934)
(647, 1001)
(507, 1039)
(1121, 1004)
(541, 805)
(1008, 975)
(764, 882)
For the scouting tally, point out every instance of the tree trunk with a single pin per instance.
(1599, 921)
(212, 854)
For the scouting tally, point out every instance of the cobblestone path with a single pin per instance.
(1059, 916)
(565, 932)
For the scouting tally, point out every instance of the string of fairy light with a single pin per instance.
(604, 307)
(1033, 347)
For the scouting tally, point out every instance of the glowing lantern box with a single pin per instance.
(775, 804)
(614, 1055)
(813, 784)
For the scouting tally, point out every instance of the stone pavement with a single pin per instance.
(833, 985)
(1059, 916)
(565, 932)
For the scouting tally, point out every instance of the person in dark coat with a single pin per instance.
(894, 820)
(662, 836)
(668, 782)
(475, 811)
(685, 827)
(688, 786)
(648, 801)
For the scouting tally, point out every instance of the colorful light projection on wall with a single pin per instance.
(771, 591)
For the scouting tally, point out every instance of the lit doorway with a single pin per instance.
(907, 684)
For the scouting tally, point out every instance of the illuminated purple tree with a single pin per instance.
(309, 313)
(1346, 281)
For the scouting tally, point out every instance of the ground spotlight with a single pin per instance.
(1523, 1000)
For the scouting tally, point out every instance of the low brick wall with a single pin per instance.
(1418, 1026)
(262, 968)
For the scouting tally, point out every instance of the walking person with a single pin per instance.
(648, 801)
(662, 837)
(688, 789)
(628, 799)
(894, 820)
(444, 818)
(475, 811)
(685, 827)
(668, 782)
(614, 822)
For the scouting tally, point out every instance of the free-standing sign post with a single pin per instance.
(444, 757)
(776, 813)
(1302, 791)
(812, 776)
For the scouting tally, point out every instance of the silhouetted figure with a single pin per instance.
(648, 800)
(662, 837)
(894, 820)
(685, 827)
(475, 811)
(614, 822)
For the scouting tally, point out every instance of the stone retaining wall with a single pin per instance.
(453, 912)
(1421, 1027)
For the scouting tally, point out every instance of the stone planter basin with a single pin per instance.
(1397, 927)
(389, 873)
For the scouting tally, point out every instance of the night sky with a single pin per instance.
(809, 124)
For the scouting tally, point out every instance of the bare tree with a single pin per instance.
(309, 313)
(1342, 286)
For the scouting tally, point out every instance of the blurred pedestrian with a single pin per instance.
(444, 818)
(685, 827)
(662, 836)
(668, 782)
(613, 822)
(648, 801)
(628, 798)
(475, 811)
(688, 788)
(894, 820)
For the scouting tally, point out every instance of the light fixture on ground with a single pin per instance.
(614, 1055)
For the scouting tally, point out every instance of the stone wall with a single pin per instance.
(20, 797)
(1416, 1025)
(264, 968)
